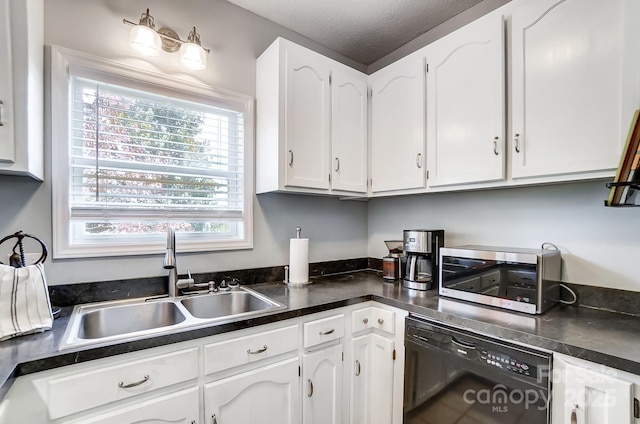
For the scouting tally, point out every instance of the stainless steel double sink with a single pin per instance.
(98, 323)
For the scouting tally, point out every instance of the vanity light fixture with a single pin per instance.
(147, 40)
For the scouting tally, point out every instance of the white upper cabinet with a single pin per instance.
(576, 84)
(466, 104)
(304, 137)
(21, 88)
(349, 130)
(7, 148)
(398, 126)
(306, 116)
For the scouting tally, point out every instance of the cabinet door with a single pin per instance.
(575, 84)
(397, 126)
(7, 153)
(360, 380)
(591, 396)
(180, 408)
(322, 380)
(381, 380)
(372, 380)
(307, 121)
(465, 104)
(269, 394)
(348, 130)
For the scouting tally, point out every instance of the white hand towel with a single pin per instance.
(25, 307)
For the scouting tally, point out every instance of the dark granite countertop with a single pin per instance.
(600, 336)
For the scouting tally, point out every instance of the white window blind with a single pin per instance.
(140, 156)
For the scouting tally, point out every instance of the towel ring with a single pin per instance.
(17, 260)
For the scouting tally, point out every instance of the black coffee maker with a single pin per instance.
(422, 248)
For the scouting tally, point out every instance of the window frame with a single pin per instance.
(64, 63)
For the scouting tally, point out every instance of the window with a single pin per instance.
(132, 157)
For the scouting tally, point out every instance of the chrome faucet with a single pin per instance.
(170, 261)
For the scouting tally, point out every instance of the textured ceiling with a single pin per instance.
(362, 30)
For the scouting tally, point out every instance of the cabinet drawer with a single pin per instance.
(323, 330)
(244, 350)
(105, 384)
(367, 318)
(178, 407)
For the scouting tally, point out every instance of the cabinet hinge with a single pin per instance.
(427, 174)
(330, 79)
(636, 408)
(342, 356)
(329, 178)
(394, 354)
(370, 92)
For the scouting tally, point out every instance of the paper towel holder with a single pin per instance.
(297, 272)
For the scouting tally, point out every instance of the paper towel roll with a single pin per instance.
(299, 260)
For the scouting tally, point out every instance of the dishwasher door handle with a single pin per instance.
(421, 338)
(461, 343)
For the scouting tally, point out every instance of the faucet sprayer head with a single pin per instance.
(170, 255)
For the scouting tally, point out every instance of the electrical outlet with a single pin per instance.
(29, 258)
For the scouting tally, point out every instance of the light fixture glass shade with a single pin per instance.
(193, 56)
(145, 40)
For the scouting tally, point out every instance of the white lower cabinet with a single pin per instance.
(322, 381)
(589, 393)
(372, 379)
(267, 394)
(287, 372)
(376, 366)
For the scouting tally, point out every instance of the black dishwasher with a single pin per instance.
(454, 375)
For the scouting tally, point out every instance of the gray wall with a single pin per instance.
(600, 246)
(336, 229)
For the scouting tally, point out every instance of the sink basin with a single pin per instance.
(225, 304)
(117, 320)
(100, 323)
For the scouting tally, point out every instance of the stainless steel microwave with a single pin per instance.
(524, 280)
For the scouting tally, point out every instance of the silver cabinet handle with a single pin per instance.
(291, 158)
(357, 368)
(310, 391)
(337, 164)
(516, 142)
(1, 123)
(574, 415)
(255, 352)
(137, 383)
(365, 320)
(213, 419)
(495, 145)
(419, 160)
(326, 333)
(380, 321)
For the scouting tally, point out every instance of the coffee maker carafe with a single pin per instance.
(422, 248)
